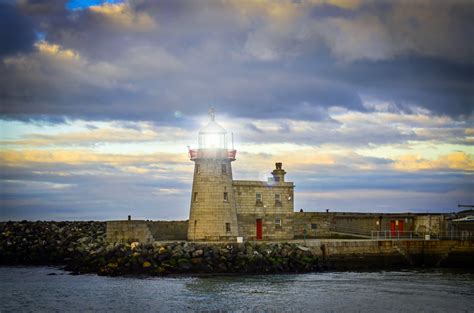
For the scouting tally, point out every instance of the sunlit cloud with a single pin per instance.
(123, 15)
(454, 161)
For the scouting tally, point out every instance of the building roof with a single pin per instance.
(212, 128)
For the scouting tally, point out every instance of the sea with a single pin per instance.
(50, 289)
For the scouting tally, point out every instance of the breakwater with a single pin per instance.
(82, 248)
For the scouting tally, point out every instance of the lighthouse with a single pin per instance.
(213, 214)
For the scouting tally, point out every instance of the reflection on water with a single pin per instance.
(35, 289)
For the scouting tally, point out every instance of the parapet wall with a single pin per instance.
(293, 225)
(168, 230)
(322, 224)
(128, 231)
(146, 231)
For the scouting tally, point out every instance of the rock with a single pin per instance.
(162, 250)
(302, 248)
(198, 253)
(184, 264)
(188, 248)
(83, 240)
(112, 265)
(197, 260)
(222, 267)
(177, 251)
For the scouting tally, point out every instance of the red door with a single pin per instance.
(259, 229)
(400, 227)
(393, 232)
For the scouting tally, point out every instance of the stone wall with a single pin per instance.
(213, 206)
(277, 217)
(270, 229)
(316, 224)
(292, 224)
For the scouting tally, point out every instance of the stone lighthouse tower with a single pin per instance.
(213, 213)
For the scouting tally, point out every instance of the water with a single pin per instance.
(28, 289)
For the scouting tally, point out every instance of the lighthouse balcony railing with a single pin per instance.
(212, 154)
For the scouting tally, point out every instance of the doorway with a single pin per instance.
(396, 228)
(259, 229)
(393, 232)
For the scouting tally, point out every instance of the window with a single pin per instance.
(258, 199)
(225, 196)
(277, 199)
(277, 223)
(223, 169)
(227, 227)
(198, 169)
(314, 226)
(195, 197)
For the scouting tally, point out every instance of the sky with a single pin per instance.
(368, 104)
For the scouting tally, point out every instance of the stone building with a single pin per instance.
(224, 209)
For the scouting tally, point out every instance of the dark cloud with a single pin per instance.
(16, 31)
(147, 60)
(440, 85)
(400, 182)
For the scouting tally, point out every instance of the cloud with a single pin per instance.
(453, 161)
(52, 50)
(122, 15)
(146, 60)
(18, 158)
(353, 96)
(16, 31)
(93, 136)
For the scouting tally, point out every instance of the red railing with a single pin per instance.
(212, 154)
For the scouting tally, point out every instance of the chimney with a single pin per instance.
(278, 173)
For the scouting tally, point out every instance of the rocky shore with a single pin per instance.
(45, 243)
(81, 247)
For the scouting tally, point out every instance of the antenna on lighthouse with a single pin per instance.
(232, 135)
(211, 114)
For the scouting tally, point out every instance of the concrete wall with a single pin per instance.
(380, 253)
(128, 231)
(249, 210)
(430, 223)
(321, 224)
(168, 230)
(146, 231)
(366, 223)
